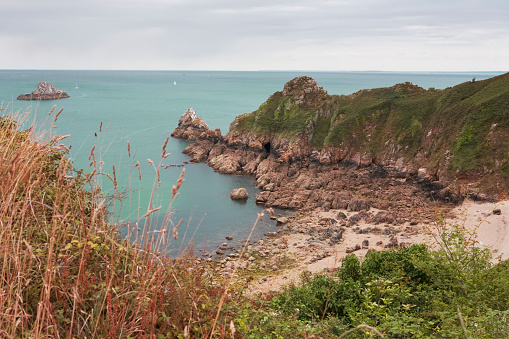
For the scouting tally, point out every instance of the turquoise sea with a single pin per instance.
(143, 107)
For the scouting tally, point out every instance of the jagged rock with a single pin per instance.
(341, 216)
(225, 163)
(199, 150)
(359, 205)
(422, 174)
(282, 220)
(353, 249)
(239, 194)
(305, 91)
(191, 127)
(44, 91)
(393, 242)
(262, 197)
(365, 243)
(190, 118)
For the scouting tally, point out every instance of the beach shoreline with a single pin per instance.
(316, 242)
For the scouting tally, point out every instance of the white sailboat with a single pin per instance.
(175, 83)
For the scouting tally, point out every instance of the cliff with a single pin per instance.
(396, 149)
(44, 91)
(459, 133)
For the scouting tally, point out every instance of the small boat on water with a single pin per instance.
(175, 83)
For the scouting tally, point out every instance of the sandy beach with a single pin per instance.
(306, 242)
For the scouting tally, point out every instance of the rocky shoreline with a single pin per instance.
(350, 206)
(305, 183)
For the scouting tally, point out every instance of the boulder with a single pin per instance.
(199, 150)
(44, 91)
(282, 220)
(239, 194)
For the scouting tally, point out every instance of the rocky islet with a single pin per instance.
(44, 91)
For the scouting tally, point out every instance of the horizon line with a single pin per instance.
(261, 70)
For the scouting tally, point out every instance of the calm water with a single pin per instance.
(143, 107)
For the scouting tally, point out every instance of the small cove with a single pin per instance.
(108, 109)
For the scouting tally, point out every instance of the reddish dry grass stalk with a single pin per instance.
(65, 272)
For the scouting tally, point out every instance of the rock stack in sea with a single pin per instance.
(44, 91)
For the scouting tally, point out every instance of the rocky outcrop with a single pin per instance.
(302, 182)
(191, 127)
(239, 194)
(44, 91)
(388, 149)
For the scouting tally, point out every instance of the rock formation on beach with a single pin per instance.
(44, 91)
(395, 149)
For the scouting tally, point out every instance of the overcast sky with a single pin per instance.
(386, 35)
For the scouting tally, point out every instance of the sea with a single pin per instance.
(109, 110)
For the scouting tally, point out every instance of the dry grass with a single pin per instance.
(66, 273)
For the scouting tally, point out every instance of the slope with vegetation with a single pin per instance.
(456, 133)
(65, 272)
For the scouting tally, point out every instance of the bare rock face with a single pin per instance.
(305, 91)
(189, 118)
(44, 91)
(239, 194)
(191, 127)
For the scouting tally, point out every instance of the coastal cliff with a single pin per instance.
(385, 148)
(44, 91)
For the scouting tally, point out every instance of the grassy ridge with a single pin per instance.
(463, 130)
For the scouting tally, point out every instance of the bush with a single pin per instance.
(411, 292)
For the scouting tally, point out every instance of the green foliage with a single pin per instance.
(450, 126)
(279, 115)
(411, 292)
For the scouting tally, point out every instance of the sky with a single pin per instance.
(322, 35)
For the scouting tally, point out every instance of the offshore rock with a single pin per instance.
(44, 91)
(239, 194)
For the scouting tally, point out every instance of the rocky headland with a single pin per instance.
(377, 165)
(278, 144)
(44, 91)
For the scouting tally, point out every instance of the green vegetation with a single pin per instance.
(463, 130)
(414, 292)
(279, 115)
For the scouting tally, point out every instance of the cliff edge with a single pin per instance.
(397, 149)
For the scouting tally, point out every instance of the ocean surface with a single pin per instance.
(108, 109)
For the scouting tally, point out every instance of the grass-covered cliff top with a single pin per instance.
(464, 128)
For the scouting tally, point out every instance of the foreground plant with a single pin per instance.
(414, 292)
(65, 271)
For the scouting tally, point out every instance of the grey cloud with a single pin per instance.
(206, 32)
